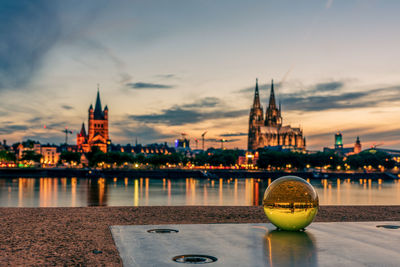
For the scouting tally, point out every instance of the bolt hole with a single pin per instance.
(388, 226)
(162, 231)
(194, 259)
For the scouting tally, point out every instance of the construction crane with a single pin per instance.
(202, 139)
(375, 145)
(66, 131)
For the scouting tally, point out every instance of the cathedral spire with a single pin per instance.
(272, 103)
(98, 113)
(256, 102)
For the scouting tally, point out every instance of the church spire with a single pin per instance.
(273, 114)
(256, 102)
(83, 131)
(272, 103)
(98, 112)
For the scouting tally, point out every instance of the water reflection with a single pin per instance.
(287, 248)
(72, 192)
(97, 192)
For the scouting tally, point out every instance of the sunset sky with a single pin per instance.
(167, 67)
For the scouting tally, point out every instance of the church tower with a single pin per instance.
(256, 120)
(273, 114)
(97, 129)
(357, 146)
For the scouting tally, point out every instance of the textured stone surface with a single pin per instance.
(73, 236)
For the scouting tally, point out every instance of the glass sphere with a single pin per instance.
(290, 203)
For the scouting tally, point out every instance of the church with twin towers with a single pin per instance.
(268, 131)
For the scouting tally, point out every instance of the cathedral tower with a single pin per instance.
(273, 114)
(256, 120)
(269, 131)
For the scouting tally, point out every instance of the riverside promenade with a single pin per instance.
(82, 237)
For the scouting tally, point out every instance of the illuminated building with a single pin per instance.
(249, 159)
(97, 135)
(338, 141)
(50, 156)
(269, 131)
(182, 143)
(21, 149)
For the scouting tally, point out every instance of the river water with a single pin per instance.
(80, 192)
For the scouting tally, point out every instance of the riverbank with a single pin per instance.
(180, 173)
(81, 236)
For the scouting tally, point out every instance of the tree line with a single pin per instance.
(267, 159)
(372, 159)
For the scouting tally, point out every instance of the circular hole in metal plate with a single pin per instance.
(162, 231)
(388, 226)
(194, 259)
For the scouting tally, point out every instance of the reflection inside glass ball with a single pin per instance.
(290, 203)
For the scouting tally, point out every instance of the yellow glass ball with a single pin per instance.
(290, 203)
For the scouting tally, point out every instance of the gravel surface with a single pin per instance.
(81, 236)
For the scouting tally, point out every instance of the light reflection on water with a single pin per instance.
(76, 192)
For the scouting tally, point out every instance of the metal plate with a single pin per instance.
(322, 244)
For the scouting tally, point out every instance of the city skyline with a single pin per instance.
(191, 66)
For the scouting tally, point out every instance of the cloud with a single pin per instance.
(307, 101)
(329, 95)
(233, 134)
(329, 86)
(67, 107)
(9, 129)
(28, 30)
(144, 86)
(177, 116)
(144, 133)
(207, 102)
(195, 112)
(166, 76)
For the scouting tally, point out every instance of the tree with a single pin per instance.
(7, 156)
(375, 159)
(278, 159)
(71, 157)
(217, 157)
(30, 155)
(321, 159)
(95, 156)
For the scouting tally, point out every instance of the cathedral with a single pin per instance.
(97, 129)
(268, 131)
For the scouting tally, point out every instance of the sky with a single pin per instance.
(183, 66)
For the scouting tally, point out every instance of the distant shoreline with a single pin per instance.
(181, 173)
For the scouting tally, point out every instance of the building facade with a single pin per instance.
(97, 135)
(269, 131)
(50, 156)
